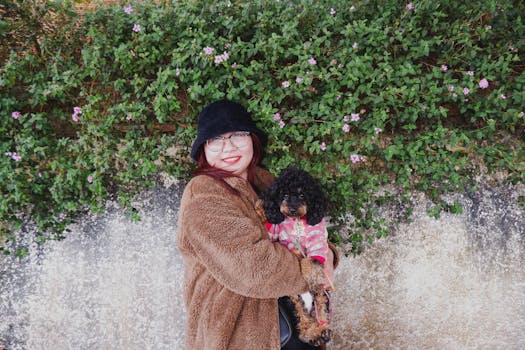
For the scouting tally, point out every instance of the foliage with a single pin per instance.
(364, 95)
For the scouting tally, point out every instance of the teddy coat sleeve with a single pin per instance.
(226, 236)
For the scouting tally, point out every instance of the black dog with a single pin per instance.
(294, 193)
(295, 206)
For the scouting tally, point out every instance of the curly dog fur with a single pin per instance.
(300, 189)
(295, 193)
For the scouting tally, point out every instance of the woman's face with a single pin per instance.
(230, 157)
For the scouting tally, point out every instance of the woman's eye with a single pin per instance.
(285, 196)
(301, 196)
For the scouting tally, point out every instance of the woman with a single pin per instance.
(233, 273)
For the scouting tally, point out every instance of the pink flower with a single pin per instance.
(502, 97)
(354, 45)
(128, 10)
(90, 179)
(332, 11)
(322, 146)
(354, 117)
(16, 157)
(338, 97)
(62, 217)
(285, 84)
(312, 61)
(177, 72)
(451, 88)
(16, 115)
(346, 118)
(454, 95)
(352, 8)
(346, 128)
(281, 124)
(470, 73)
(234, 65)
(298, 80)
(466, 91)
(129, 117)
(378, 130)
(227, 45)
(444, 68)
(208, 50)
(489, 27)
(520, 114)
(410, 6)
(277, 117)
(483, 83)
(76, 111)
(355, 158)
(137, 28)
(221, 58)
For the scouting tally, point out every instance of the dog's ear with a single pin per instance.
(272, 204)
(317, 203)
(316, 214)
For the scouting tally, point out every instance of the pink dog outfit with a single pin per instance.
(298, 236)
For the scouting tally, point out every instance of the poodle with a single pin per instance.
(295, 206)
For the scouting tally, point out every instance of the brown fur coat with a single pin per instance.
(233, 272)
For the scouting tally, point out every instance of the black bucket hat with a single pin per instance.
(224, 116)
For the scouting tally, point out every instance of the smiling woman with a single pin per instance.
(233, 274)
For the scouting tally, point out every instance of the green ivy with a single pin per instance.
(365, 94)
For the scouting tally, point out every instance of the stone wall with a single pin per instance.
(451, 283)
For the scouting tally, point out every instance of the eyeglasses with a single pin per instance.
(238, 139)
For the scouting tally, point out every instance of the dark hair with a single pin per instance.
(204, 168)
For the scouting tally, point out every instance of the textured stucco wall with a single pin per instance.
(452, 283)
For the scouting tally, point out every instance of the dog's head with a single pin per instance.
(295, 193)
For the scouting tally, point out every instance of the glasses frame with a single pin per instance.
(224, 138)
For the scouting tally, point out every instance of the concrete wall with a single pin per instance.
(452, 283)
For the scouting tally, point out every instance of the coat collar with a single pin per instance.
(243, 186)
(263, 179)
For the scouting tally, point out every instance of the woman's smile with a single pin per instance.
(231, 160)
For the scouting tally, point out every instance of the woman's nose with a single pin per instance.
(228, 145)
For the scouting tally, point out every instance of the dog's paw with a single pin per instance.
(312, 272)
(316, 336)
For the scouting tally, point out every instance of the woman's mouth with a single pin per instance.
(231, 160)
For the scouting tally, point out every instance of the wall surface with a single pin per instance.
(457, 282)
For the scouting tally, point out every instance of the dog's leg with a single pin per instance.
(304, 319)
(310, 329)
(322, 303)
